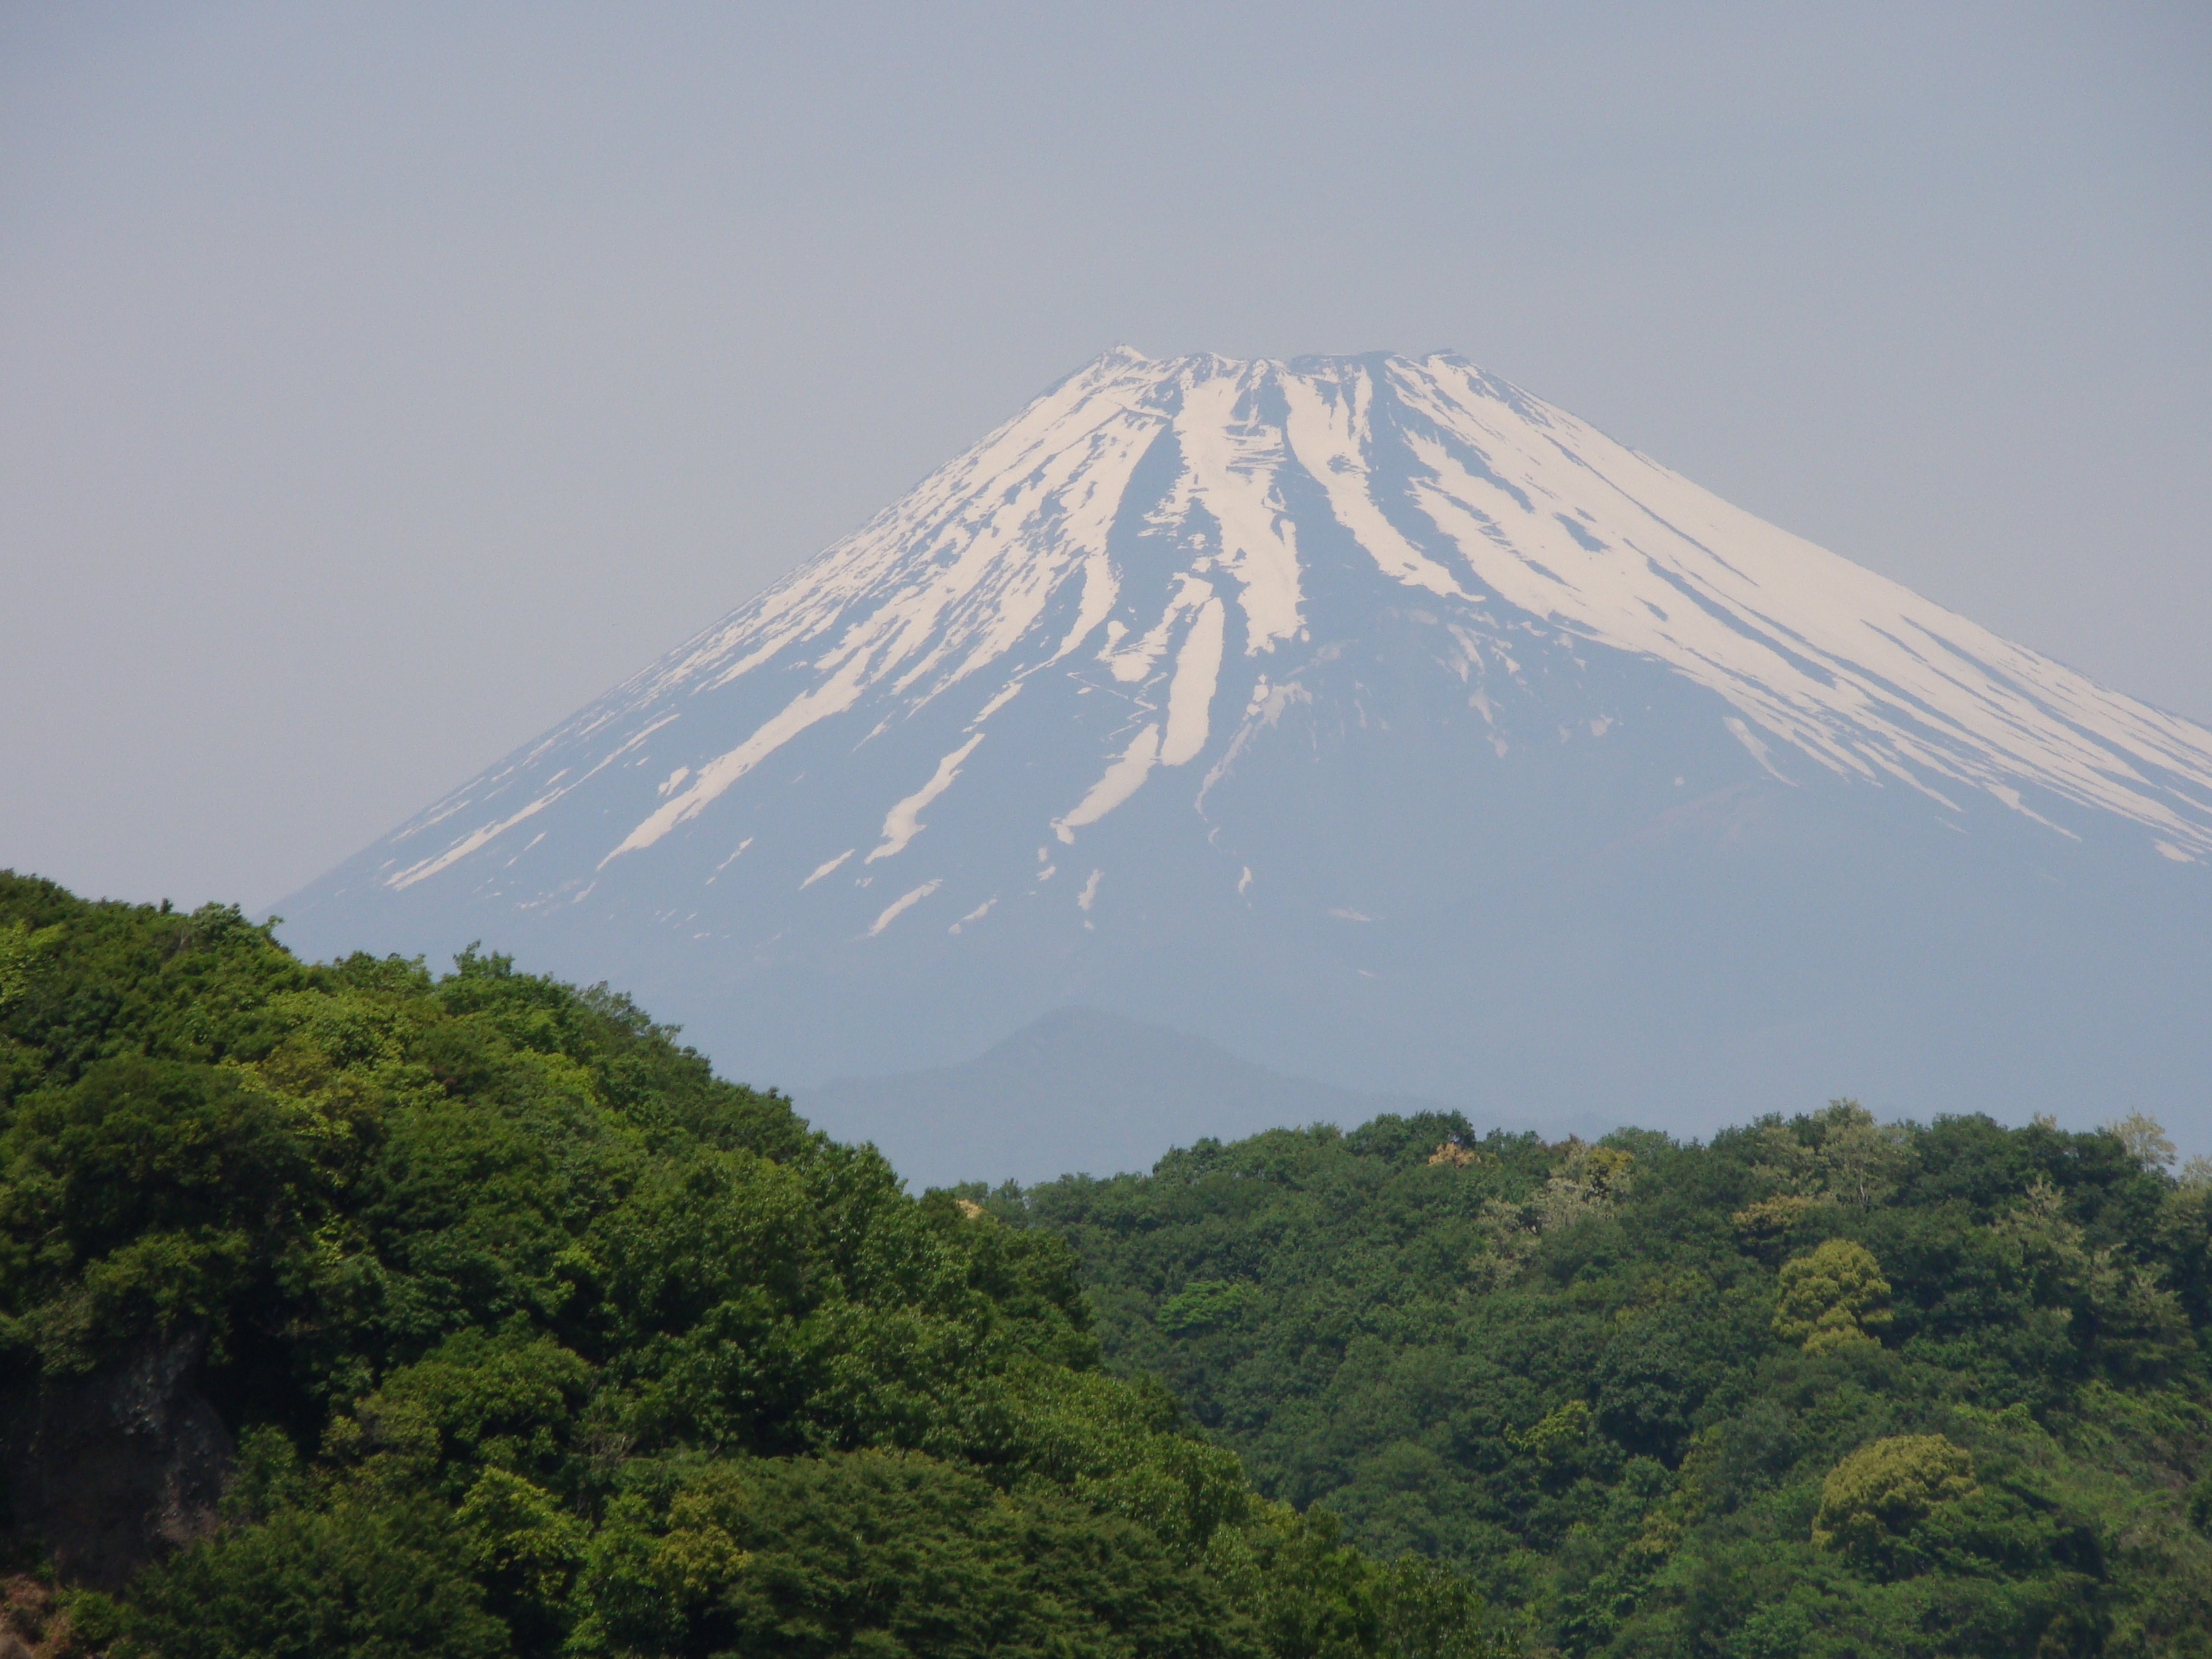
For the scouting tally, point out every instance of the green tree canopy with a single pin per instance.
(1831, 1296)
(1875, 1497)
(538, 1338)
(1619, 1391)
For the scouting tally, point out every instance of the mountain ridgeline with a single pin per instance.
(1377, 722)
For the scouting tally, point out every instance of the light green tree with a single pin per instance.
(1846, 1158)
(1587, 1181)
(2146, 1139)
(1831, 1296)
(20, 950)
(1875, 1497)
(2122, 1314)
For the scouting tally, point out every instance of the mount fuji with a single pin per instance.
(1378, 722)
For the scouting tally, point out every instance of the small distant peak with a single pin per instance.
(1119, 357)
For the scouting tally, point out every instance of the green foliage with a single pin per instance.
(895, 1553)
(1838, 1155)
(539, 1338)
(1620, 1385)
(1310, 1594)
(2145, 1138)
(1204, 1304)
(360, 1581)
(1875, 1497)
(21, 947)
(1831, 1296)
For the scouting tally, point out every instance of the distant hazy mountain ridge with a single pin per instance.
(1310, 705)
(1079, 1089)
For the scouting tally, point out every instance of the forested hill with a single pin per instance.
(1819, 1388)
(351, 1309)
(354, 1310)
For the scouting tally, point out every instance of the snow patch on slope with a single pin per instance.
(1144, 515)
(1122, 780)
(903, 822)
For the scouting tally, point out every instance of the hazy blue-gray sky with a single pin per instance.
(378, 383)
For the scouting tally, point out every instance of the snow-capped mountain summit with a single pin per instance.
(1366, 711)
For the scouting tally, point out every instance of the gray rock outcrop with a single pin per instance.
(115, 1468)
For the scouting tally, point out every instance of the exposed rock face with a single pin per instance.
(32, 1625)
(117, 1467)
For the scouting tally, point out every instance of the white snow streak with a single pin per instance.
(898, 907)
(1231, 461)
(1759, 751)
(1122, 780)
(719, 774)
(1327, 428)
(1190, 694)
(825, 868)
(903, 822)
(468, 844)
(975, 914)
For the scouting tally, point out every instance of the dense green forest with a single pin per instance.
(482, 1319)
(355, 1310)
(1821, 1386)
